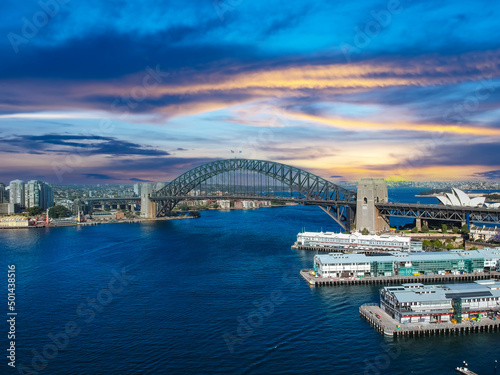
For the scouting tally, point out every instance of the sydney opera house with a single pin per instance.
(458, 198)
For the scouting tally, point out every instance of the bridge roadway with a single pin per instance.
(439, 212)
(310, 201)
(392, 209)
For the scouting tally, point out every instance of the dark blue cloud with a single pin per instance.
(139, 180)
(80, 144)
(490, 175)
(98, 176)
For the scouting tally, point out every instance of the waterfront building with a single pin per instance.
(14, 222)
(248, 204)
(16, 196)
(358, 241)
(483, 233)
(264, 203)
(224, 204)
(238, 205)
(38, 194)
(339, 265)
(414, 303)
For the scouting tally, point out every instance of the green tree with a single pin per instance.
(426, 243)
(414, 230)
(454, 230)
(444, 228)
(35, 211)
(365, 231)
(473, 248)
(425, 229)
(464, 229)
(437, 244)
(58, 212)
(450, 246)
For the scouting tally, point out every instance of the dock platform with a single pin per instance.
(329, 249)
(384, 280)
(386, 325)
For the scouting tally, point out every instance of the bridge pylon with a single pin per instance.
(148, 207)
(370, 192)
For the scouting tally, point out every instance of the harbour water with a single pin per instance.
(220, 294)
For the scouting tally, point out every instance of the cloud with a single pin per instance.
(489, 175)
(80, 144)
(139, 180)
(98, 176)
(352, 124)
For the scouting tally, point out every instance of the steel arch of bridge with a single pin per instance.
(309, 188)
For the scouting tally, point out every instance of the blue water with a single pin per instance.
(191, 284)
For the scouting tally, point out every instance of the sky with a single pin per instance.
(122, 91)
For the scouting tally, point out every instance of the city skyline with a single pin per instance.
(119, 93)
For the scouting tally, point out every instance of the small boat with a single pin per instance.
(465, 370)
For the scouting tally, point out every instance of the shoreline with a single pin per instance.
(140, 220)
(92, 223)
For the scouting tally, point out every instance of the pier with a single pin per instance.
(329, 249)
(386, 325)
(313, 280)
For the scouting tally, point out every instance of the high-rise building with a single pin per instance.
(137, 189)
(16, 188)
(2, 193)
(38, 193)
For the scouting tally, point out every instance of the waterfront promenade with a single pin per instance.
(385, 324)
(314, 280)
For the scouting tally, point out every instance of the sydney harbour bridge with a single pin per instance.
(249, 179)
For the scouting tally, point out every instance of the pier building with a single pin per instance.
(339, 265)
(419, 303)
(357, 241)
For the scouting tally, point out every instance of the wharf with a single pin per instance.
(388, 326)
(433, 279)
(327, 249)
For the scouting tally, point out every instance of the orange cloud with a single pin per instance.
(349, 124)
